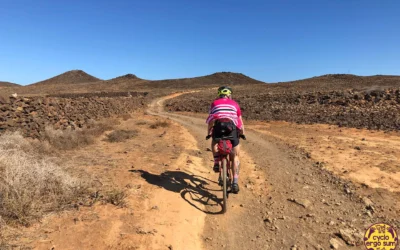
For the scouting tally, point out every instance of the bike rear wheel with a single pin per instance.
(225, 184)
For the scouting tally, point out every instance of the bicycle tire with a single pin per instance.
(224, 181)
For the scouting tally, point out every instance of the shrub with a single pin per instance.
(121, 135)
(70, 139)
(116, 197)
(158, 124)
(141, 123)
(30, 185)
(126, 117)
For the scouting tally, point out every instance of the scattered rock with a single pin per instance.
(351, 237)
(325, 202)
(335, 244)
(32, 115)
(368, 203)
(142, 231)
(302, 202)
(337, 106)
(267, 220)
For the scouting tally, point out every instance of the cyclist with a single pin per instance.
(222, 109)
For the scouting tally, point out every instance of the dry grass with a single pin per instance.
(116, 197)
(4, 245)
(158, 124)
(141, 123)
(71, 139)
(31, 186)
(126, 117)
(121, 135)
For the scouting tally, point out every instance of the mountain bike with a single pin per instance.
(225, 167)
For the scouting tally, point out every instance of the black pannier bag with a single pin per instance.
(224, 126)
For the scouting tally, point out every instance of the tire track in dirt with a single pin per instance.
(174, 202)
(163, 178)
(226, 230)
(300, 205)
(179, 224)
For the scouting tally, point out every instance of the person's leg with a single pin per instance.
(214, 149)
(235, 163)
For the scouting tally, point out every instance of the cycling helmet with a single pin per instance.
(224, 91)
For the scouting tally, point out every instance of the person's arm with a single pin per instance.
(239, 114)
(210, 126)
(242, 130)
(211, 122)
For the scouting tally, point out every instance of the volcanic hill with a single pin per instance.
(69, 77)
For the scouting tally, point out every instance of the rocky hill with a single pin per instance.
(69, 77)
(332, 82)
(8, 84)
(213, 80)
(68, 83)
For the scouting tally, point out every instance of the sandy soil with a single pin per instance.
(363, 156)
(287, 201)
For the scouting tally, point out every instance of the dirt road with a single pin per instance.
(286, 200)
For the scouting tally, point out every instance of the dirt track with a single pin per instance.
(286, 200)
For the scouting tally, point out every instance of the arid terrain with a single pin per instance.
(7, 84)
(124, 164)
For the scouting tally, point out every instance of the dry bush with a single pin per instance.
(31, 186)
(70, 139)
(162, 124)
(141, 123)
(126, 117)
(116, 197)
(4, 245)
(121, 135)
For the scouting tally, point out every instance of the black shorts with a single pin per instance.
(234, 135)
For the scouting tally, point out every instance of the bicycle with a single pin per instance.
(225, 166)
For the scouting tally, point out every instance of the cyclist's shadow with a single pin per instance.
(187, 185)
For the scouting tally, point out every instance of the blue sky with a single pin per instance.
(158, 39)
